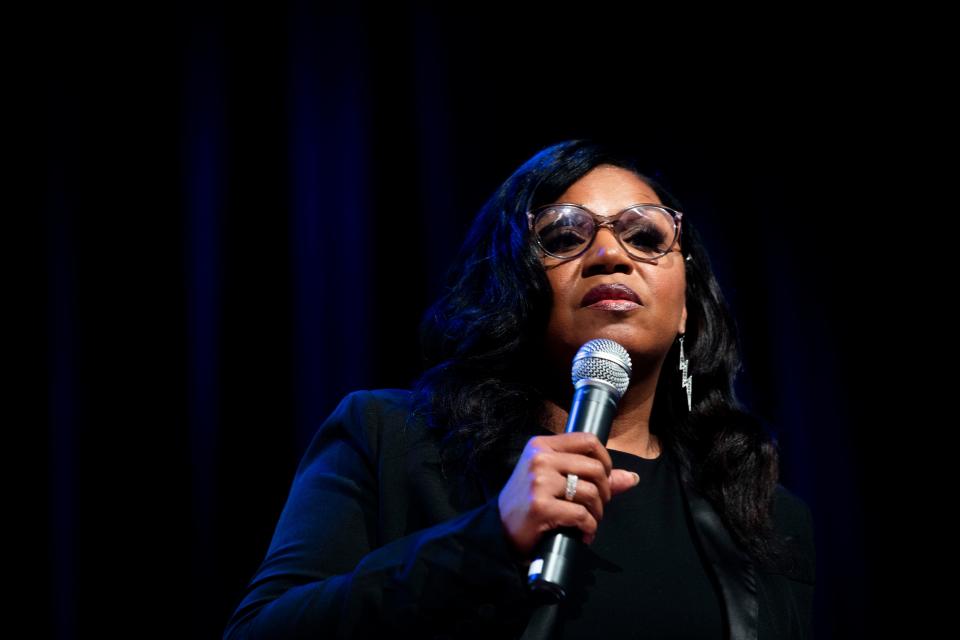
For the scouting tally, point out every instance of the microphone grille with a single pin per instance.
(604, 360)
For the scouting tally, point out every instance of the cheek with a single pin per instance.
(562, 285)
(670, 290)
(560, 311)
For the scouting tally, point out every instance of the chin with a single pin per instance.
(626, 336)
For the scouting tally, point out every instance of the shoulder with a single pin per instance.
(375, 420)
(360, 419)
(389, 403)
(377, 399)
(791, 512)
(793, 520)
(379, 408)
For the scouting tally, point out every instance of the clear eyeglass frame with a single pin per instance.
(610, 222)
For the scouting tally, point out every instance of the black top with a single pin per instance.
(644, 571)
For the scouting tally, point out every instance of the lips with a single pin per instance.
(610, 292)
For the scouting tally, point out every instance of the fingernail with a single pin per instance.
(636, 477)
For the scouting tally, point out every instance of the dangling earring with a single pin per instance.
(687, 380)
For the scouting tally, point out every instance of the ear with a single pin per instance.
(683, 320)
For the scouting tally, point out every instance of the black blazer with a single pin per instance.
(372, 539)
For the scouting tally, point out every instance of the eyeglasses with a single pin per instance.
(645, 231)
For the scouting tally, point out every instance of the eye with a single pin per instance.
(645, 236)
(561, 238)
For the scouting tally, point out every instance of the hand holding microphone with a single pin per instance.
(534, 505)
(534, 501)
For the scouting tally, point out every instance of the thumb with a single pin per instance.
(621, 480)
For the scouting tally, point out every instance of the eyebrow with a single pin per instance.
(607, 215)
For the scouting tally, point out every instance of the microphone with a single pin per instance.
(601, 374)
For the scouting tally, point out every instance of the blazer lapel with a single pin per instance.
(735, 571)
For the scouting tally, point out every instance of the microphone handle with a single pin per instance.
(550, 574)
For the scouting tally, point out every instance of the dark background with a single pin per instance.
(238, 216)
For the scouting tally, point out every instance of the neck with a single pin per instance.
(630, 430)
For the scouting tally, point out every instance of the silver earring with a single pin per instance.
(687, 380)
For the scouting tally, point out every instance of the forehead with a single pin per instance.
(607, 189)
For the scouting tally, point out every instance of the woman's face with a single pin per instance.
(647, 330)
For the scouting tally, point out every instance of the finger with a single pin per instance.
(621, 480)
(586, 494)
(562, 513)
(578, 442)
(585, 467)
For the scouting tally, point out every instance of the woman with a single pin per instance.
(420, 511)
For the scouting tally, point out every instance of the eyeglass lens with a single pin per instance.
(646, 232)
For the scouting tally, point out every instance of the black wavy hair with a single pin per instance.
(482, 336)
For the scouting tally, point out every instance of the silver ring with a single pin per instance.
(571, 485)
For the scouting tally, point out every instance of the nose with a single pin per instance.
(606, 255)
